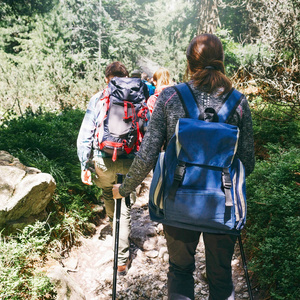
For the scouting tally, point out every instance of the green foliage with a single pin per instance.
(41, 69)
(270, 125)
(23, 7)
(21, 257)
(273, 236)
(54, 57)
(46, 137)
(47, 141)
(236, 18)
(237, 55)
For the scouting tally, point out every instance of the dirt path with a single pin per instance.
(91, 264)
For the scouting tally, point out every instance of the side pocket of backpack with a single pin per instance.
(157, 184)
(239, 194)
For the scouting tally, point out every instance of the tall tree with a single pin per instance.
(208, 16)
(29, 8)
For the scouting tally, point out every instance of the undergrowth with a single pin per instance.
(47, 141)
(272, 232)
(21, 258)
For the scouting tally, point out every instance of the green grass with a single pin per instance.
(21, 256)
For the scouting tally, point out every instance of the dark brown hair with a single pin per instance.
(205, 58)
(116, 69)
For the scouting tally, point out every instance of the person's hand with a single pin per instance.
(86, 177)
(115, 191)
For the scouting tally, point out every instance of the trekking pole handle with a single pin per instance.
(127, 198)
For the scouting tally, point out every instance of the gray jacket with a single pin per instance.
(167, 111)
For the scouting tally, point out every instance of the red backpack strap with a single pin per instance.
(126, 104)
(105, 97)
(142, 114)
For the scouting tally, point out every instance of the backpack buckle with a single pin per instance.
(179, 171)
(227, 184)
(178, 177)
(226, 180)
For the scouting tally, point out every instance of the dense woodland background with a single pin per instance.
(52, 59)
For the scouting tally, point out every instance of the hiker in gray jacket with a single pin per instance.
(210, 86)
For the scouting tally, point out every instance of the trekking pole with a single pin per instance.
(118, 213)
(245, 267)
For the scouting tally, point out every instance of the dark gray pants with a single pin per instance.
(182, 244)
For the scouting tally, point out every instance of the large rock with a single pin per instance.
(24, 193)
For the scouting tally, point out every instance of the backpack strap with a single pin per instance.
(188, 101)
(187, 98)
(232, 101)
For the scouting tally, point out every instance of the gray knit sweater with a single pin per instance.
(167, 111)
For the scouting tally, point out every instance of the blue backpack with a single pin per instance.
(198, 182)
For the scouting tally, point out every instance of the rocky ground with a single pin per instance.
(90, 266)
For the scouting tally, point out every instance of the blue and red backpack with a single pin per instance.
(121, 129)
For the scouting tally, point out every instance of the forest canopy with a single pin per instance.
(61, 47)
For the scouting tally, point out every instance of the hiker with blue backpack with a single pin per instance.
(110, 135)
(198, 184)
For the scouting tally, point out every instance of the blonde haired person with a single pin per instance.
(161, 80)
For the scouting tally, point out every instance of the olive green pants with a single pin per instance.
(106, 171)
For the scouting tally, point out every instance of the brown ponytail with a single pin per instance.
(205, 58)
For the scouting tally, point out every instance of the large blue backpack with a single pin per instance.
(198, 182)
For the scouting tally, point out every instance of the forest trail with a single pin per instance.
(90, 265)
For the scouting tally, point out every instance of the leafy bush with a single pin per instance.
(270, 125)
(20, 259)
(273, 235)
(238, 55)
(47, 141)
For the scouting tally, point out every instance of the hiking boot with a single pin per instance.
(122, 270)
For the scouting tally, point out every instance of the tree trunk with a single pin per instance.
(100, 39)
(208, 16)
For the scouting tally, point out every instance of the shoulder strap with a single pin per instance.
(232, 101)
(188, 101)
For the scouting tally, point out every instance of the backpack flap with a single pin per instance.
(215, 145)
(130, 89)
